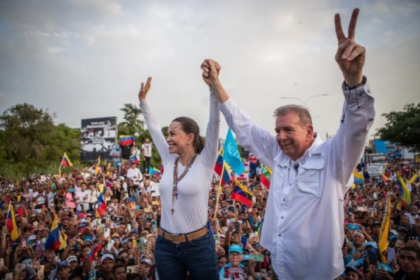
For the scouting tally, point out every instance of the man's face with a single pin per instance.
(409, 261)
(235, 258)
(413, 210)
(120, 274)
(64, 272)
(50, 255)
(107, 265)
(73, 265)
(292, 137)
(358, 239)
(405, 221)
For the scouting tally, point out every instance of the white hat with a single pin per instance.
(71, 259)
(149, 262)
(107, 256)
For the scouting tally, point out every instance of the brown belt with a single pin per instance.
(181, 238)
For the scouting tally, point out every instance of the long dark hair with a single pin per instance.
(188, 125)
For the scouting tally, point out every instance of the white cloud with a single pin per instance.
(87, 58)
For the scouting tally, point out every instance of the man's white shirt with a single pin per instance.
(304, 219)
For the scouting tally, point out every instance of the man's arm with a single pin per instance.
(358, 111)
(252, 137)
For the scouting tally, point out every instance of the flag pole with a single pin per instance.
(61, 164)
(218, 191)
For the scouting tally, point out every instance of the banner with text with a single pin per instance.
(98, 138)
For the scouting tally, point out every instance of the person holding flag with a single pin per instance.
(184, 242)
(304, 214)
(11, 223)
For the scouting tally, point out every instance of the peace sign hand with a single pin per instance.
(145, 89)
(350, 56)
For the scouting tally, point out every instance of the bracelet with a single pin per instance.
(358, 85)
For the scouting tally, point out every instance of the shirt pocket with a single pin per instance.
(309, 178)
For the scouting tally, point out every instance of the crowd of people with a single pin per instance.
(119, 244)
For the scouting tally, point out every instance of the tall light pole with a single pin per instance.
(306, 100)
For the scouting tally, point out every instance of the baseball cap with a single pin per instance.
(63, 264)
(393, 237)
(88, 239)
(71, 259)
(371, 244)
(235, 248)
(149, 262)
(106, 257)
(354, 268)
(376, 223)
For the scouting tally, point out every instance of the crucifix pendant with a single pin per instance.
(172, 211)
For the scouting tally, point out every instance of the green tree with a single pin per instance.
(132, 124)
(30, 142)
(27, 129)
(403, 127)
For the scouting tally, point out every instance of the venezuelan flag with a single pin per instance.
(101, 204)
(53, 239)
(358, 178)
(93, 253)
(66, 161)
(266, 177)
(134, 159)
(222, 166)
(11, 224)
(241, 194)
(126, 140)
(63, 241)
(406, 192)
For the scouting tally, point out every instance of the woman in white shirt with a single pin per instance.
(184, 243)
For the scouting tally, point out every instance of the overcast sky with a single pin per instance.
(86, 58)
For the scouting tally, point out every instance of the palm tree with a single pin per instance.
(132, 124)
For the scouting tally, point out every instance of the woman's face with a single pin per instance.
(85, 252)
(177, 139)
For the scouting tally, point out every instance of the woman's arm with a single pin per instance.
(209, 154)
(153, 124)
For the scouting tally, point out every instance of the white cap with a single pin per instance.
(71, 259)
(107, 256)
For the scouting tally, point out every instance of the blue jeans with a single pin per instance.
(198, 257)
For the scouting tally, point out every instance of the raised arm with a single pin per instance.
(209, 153)
(250, 136)
(152, 123)
(358, 111)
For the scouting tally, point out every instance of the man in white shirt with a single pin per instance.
(135, 175)
(146, 149)
(304, 218)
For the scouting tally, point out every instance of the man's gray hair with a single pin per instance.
(303, 113)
